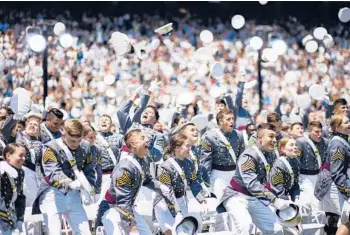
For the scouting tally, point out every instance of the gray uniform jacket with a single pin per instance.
(115, 142)
(251, 176)
(338, 155)
(308, 159)
(11, 209)
(215, 155)
(283, 182)
(169, 176)
(57, 167)
(126, 183)
(96, 161)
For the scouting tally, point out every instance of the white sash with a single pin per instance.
(179, 170)
(314, 148)
(47, 131)
(108, 148)
(227, 144)
(31, 149)
(245, 138)
(194, 159)
(289, 167)
(80, 175)
(2, 144)
(342, 140)
(263, 159)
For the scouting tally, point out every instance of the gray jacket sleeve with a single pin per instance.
(205, 157)
(139, 110)
(9, 130)
(247, 166)
(123, 115)
(338, 167)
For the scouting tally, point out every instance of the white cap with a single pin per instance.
(185, 98)
(303, 101)
(109, 79)
(317, 91)
(120, 92)
(319, 33)
(311, 46)
(75, 112)
(344, 14)
(120, 43)
(217, 70)
(164, 30)
(215, 92)
(237, 21)
(200, 121)
(206, 36)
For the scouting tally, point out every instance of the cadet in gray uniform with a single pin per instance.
(109, 144)
(312, 155)
(248, 196)
(337, 154)
(12, 199)
(68, 166)
(285, 171)
(132, 172)
(50, 129)
(177, 172)
(144, 117)
(220, 149)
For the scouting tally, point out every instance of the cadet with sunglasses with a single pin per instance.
(66, 162)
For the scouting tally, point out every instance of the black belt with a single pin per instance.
(179, 194)
(309, 172)
(223, 168)
(107, 171)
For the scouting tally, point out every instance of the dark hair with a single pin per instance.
(155, 110)
(221, 114)
(129, 135)
(314, 124)
(87, 128)
(296, 124)
(265, 126)
(175, 141)
(220, 101)
(10, 149)
(340, 101)
(177, 119)
(56, 112)
(273, 117)
(248, 125)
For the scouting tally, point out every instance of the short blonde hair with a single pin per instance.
(336, 121)
(73, 127)
(33, 117)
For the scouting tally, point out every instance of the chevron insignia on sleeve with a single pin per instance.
(99, 160)
(205, 145)
(277, 178)
(123, 180)
(193, 175)
(49, 156)
(338, 155)
(248, 165)
(165, 178)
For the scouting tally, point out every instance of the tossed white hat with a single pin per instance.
(217, 70)
(165, 30)
(303, 101)
(317, 91)
(200, 121)
(206, 36)
(120, 43)
(109, 79)
(215, 92)
(120, 92)
(185, 98)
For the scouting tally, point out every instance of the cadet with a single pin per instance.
(337, 153)
(312, 155)
(109, 144)
(220, 149)
(177, 172)
(50, 129)
(132, 172)
(248, 196)
(68, 170)
(285, 171)
(12, 199)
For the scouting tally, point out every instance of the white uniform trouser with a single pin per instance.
(53, 204)
(308, 200)
(331, 201)
(30, 190)
(247, 211)
(106, 183)
(163, 215)
(111, 223)
(219, 180)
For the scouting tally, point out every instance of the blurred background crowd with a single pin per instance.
(87, 79)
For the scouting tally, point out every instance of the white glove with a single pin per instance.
(19, 225)
(281, 204)
(139, 90)
(6, 168)
(86, 197)
(206, 192)
(204, 208)
(154, 86)
(96, 197)
(75, 185)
